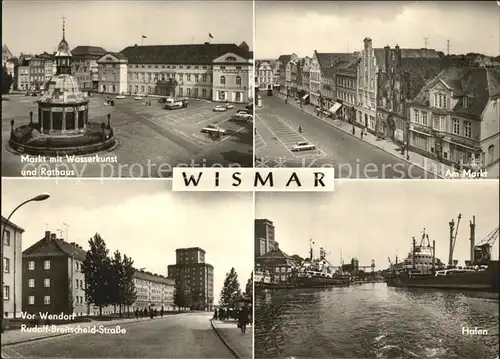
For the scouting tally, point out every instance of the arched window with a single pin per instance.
(222, 80)
(238, 80)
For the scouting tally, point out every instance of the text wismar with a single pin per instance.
(259, 180)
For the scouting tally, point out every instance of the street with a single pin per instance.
(277, 126)
(150, 139)
(188, 335)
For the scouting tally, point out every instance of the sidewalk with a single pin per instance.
(240, 344)
(436, 168)
(10, 337)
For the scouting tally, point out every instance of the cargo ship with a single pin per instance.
(480, 273)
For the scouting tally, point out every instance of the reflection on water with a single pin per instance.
(374, 321)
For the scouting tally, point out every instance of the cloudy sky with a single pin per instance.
(142, 219)
(284, 27)
(35, 26)
(377, 219)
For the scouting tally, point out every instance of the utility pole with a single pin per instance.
(425, 42)
(448, 47)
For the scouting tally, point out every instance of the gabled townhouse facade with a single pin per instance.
(345, 82)
(455, 118)
(401, 75)
(366, 85)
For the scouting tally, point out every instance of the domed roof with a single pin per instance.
(63, 89)
(63, 48)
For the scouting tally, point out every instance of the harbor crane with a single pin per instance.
(453, 238)
(481, 252)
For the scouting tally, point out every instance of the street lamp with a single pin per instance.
(40, 197)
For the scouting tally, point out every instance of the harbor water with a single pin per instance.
(375, 321)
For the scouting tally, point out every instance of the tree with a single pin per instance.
(97, 271)
(230, 292)
(116, 286)
(249, 288)
(129, 294)
(6, 81)
(180, 300)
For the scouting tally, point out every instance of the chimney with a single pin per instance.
(47, 235)
(53, 237)
(368, 43)
(387, 55)
(398, 55)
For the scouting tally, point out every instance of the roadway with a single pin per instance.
(176, 336)
(150, 140)
(277, 127)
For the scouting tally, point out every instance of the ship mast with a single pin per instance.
(311, 249)
(453, 238)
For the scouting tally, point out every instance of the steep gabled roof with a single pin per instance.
(198, 54)
(329, 59)
(284, 58)
(493, 77)
(71, 249)
(478, 84)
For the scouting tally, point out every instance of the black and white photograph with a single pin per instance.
(125, 88)
(379, 89)
(378, 269)
(125, 269)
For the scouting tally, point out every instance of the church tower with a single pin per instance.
(63, 55)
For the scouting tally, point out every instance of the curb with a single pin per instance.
(221, 337)
(60, 334)
(371, 144)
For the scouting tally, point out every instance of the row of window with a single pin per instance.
(346, 97)
(31, 265)
(439, 124)
(204, 67)
(342, 81)
(46, 300)
(46, 283)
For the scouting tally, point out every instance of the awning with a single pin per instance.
(335, 107)
(305, 96)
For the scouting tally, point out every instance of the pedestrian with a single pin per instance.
(162, 311)
(353, 130)
(243, 319)
(137, 313)
(362, 133)
(145, 312)
(215, 314)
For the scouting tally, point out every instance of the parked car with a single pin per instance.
(213, 129)
(244, 112)
(220, 108)
(120, 97)
(137, 98)
(303, 146)
(243, 117)
(228, 105)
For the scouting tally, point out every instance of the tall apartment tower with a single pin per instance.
(264, 237)
(193, 276)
